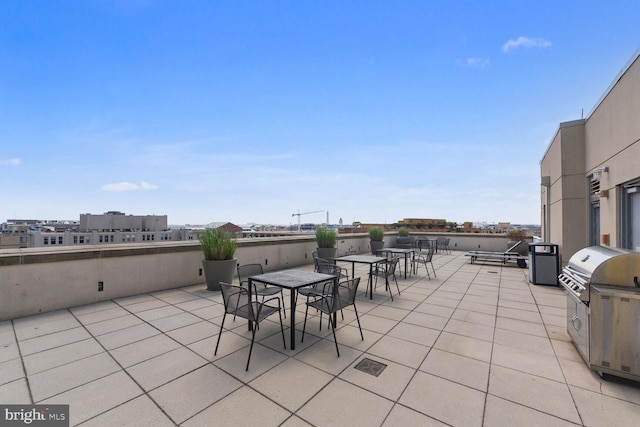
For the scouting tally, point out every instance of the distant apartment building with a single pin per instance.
(18, 225)
(590, 178)
(118, 221)
(111, 227)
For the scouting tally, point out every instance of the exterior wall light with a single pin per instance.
(597, 172)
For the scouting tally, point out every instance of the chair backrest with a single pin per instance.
(322, 261)
(342, 295)
(391, 266)
(327, 268)
(246, 270)
(236, 300)
(347, 293)
(428, 257)
(386, 253)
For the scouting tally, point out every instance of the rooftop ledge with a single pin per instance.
(38, 280)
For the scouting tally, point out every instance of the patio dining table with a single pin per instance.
(292, 280)
(363, 259)
(403, 251)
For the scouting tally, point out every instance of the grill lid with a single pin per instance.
(606, 266)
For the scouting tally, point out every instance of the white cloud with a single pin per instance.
(10, 162)
(127, 186)
(524, 42)
(147, 186)
(475, 62)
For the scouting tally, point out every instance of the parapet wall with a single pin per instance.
(38, 280)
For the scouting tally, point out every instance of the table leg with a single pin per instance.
(405, 266)
(386, 280)
(249, 286)
(335, 295)
(370, 282)
(292, 315)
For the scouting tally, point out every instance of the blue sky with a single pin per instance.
(250, 111)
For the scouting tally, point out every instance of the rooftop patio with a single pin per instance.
(478, 345)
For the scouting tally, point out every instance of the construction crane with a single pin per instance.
(299, 214)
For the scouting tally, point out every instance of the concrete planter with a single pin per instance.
(376, 245)
(405, 242)
(218, 271)
(327, 253)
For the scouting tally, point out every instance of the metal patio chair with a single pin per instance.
(260, 290)
(387, 269)
(424, 258)
(316, 291)
(344, 274)
(236, 302)
(334, 298)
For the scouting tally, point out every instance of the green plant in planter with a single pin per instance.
(217, 245)
(403, 231)
(376, 234)
(325, 238)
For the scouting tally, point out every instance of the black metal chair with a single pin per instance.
(387, 269)
(316, 290)
(442, 244)
(236, 302)
(445, 245)
(261, 290)
(425, 258)
(333, 298)
(344, 274)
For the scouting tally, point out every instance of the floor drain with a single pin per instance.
(492, 272)
(371, 367)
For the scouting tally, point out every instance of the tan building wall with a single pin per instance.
(609, 137)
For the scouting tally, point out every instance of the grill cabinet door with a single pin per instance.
(615, 331)
(578, 324)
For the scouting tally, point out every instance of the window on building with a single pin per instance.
(46, 241)
(630, 215)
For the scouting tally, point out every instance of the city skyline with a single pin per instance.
(339, 222)
(251, 113)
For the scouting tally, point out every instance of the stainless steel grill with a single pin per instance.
(603, 309)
